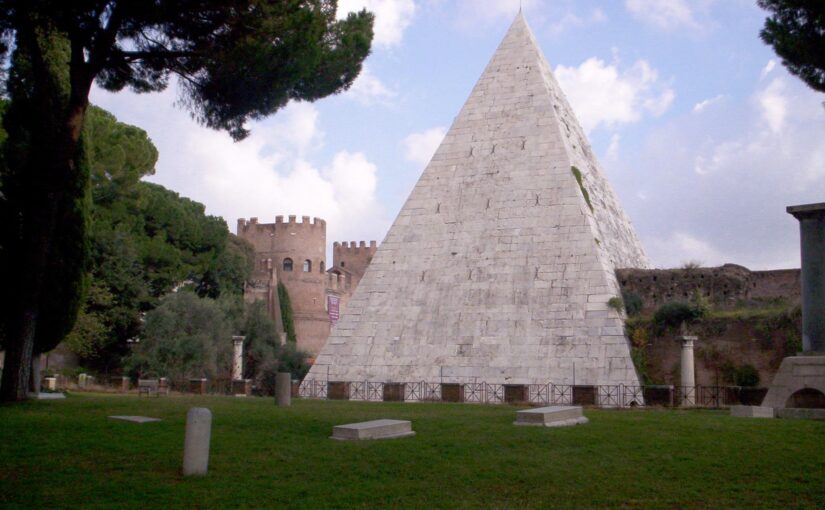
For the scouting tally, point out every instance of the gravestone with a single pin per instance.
(551, 416)
(196, 441)
(376, 429)
(283, 389)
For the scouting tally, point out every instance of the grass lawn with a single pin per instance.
(58, 454)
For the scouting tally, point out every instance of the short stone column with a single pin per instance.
(198, 386)
(125, 383)
(237, 358)
(812, 240)
(283, 389)
(688, 376)
(196, 441)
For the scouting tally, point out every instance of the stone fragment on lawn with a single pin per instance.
(751, 412)
(801, 413)
(375, 429)
(135, 419)
(551, 416)
(47, 396)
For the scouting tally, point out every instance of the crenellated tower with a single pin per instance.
(353, 258)
(297, 251)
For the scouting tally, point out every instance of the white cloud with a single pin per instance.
(681, 247)
(668, 14)
(270, 173)
(613, 148)
(573, 20)
(392, 17)
(773, 104)
(717, 184)
(601, 94)
(420, 147)
(368, 89)
(704, 104)
(770, 66)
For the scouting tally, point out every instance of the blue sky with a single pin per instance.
(701, 131)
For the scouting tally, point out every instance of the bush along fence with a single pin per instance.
(616, 396)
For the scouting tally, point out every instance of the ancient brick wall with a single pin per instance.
(727, 286)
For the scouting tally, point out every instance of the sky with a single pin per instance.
(703, 134)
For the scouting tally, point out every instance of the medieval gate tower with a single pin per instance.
(297, 251)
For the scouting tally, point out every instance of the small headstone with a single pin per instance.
(283, 389)
(552, 416)
(376, 429)
(196, 441)
(751, 412)
(135, 419)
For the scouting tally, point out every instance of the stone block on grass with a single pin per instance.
(551, 416)
(375, 429)
(751, 412)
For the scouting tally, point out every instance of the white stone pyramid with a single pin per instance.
(500, 265)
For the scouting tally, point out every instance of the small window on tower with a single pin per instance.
(307, 266)
(342, 263)
(288, 264)
(321, 267)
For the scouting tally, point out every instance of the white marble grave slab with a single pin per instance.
(375, 429)
(135, 419)
(552, 416)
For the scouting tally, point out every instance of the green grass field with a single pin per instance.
(59, 454)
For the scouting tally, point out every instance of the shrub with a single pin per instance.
(672, 315)
(746, 375)
(632, 303)
(616, 303)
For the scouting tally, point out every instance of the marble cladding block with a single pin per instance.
(751, 412)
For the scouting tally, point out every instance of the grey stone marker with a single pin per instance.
(283, 389)
(376, 429)
(751, 412)
(552, 416)
(688, 373)
(196, 443)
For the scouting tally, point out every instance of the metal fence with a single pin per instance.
(609, 396)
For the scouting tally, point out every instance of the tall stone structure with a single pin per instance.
(297, 251)
(501, 263)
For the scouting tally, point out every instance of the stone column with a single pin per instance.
(237, 359)
(812, 240)
(688, 380)
(283, 388)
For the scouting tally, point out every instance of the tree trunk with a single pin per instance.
(34, 386)
(18, 362)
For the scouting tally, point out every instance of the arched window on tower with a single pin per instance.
(288, 264)
(321, 267)
(307, 266)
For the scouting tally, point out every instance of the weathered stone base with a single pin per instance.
(751, 412)
(797, 413)
(795, 373)
(552, 416)
(47, 396)
(376, 429)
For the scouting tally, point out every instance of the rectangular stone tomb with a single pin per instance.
(135, 419)
(552, 416)
(751, 412)
(376, 429)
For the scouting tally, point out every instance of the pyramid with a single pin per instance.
(500, 265)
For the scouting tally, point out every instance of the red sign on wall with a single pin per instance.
(333, 308)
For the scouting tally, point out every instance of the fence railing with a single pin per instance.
(611, 396)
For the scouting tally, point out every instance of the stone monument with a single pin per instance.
(800, 381)
(501, 263)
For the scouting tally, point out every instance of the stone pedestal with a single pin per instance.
(51, 383)
(237, 358)
(751, 411)
(688, 375)
(283, 389)
(163, 385)
(125, 384)
(242, 387)
(797, 377)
